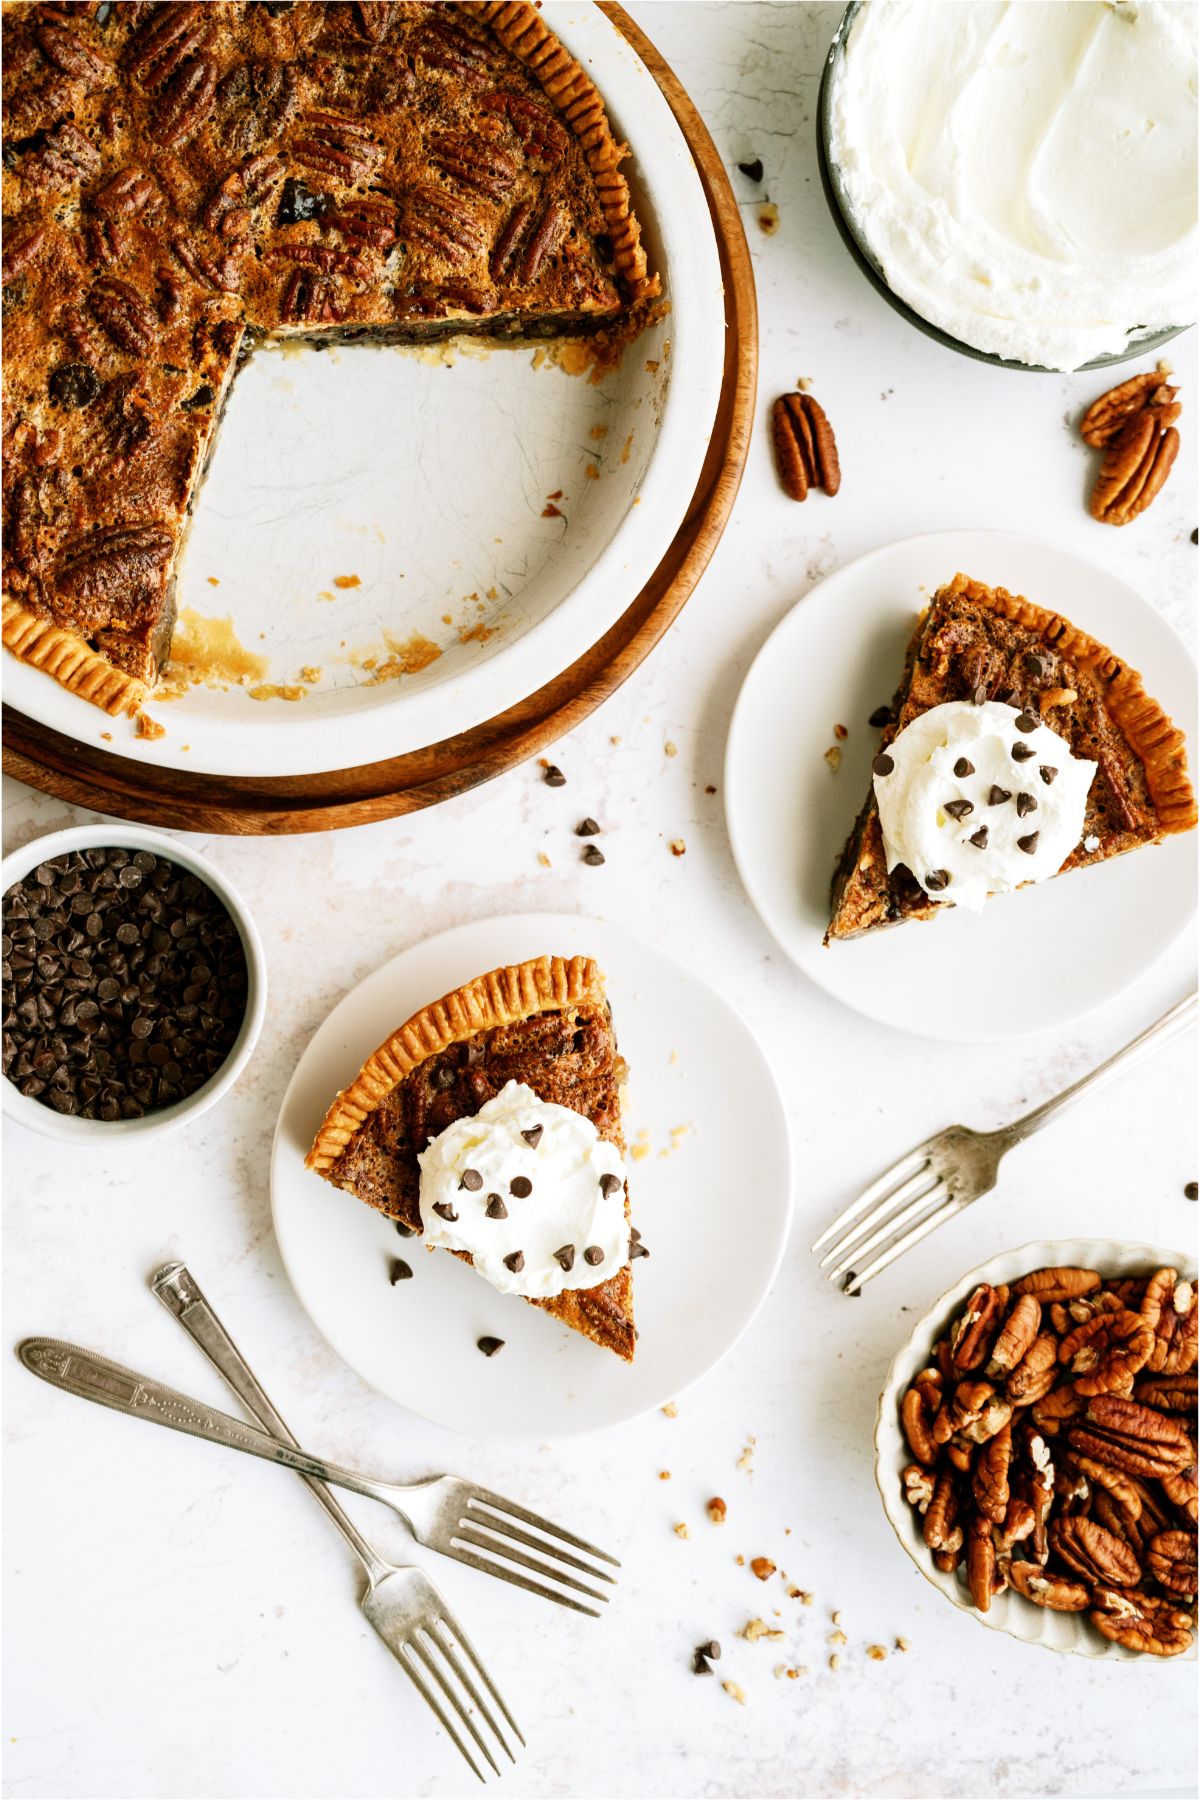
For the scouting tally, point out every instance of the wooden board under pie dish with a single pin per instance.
(88, 775)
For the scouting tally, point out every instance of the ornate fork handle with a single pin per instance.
(1172, 1025)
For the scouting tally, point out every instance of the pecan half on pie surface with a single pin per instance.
(545, 1025)
(974, 645)
(182, 180)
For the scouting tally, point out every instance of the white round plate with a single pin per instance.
(425, 486)
(1031, 960)
(709, 1182)
(1009, 1613)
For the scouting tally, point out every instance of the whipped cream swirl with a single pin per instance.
(531, 1191)
(978, 800)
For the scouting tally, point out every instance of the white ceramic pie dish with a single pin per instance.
(428, 484)
(1069, 1633)
(68, 1128)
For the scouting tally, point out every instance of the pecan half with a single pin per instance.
(1108, 1351)
(1017, 1335)
(805, 450)
(434, 218)
(542, 137)
(122, 194)
(975, 1329)
(1171, 1559)
(123, 315)
(1135, 467)
(115, 559)
(1053, 1591)
(1132, 1437)
(917, 1411)
(981, 1562)
(1142, 1621)
(1058, 1284)
(918, 1487)
(942, 1531)
(1054, 1409)
(990, 1479)
(1174, 1351)
(1109, 414)
(473, 162)
(1091, 1551)
(67, 52)
(184, 101)
(1180, 1488)
(1036, 1372)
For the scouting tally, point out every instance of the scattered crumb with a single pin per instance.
(591, 472)
(670, 1410)
(627, 448)
(678, 847)
(614, 740)
(681, 1530)
(149, 728)
(447, 618)
(735, 1692)
(213, 581)
(768, 219)
(544, 860)
(795, 1593)
(598, 431)
(902, 1644)
(835, 1662)
(651, 366)
(640, 1147)
(324, 594)
(717, 1510)
(840, 732)
(107, 736)
(763, 1567)
(269, 690)
(754, 1629)
(836, 1617)
(876, 1652)
(670, 749)
(550, 511)
(746, 1460)
(804, 383)
(311, 675)
(556, 495)
(710, 789)
(347, 581)
(795, 1674)
(838, 1637)
(479, 633)
(664, 1474)
(779, 1671)
(806, 1599)
(833, 757)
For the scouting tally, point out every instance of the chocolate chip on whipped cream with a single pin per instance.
(927, 805)
(558, 1181)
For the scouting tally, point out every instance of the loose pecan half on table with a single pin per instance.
(1134, 424)
(805, 449)
(1054, 1446)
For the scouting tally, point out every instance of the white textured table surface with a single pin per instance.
(182, 1622)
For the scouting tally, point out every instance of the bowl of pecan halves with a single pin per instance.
(1035, 1447)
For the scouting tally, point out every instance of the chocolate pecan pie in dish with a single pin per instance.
(183, 181)
(490, 1123)
(1016, 747)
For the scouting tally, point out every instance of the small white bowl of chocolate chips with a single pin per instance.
(134, 983)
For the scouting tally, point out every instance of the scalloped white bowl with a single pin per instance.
(1069, 1633)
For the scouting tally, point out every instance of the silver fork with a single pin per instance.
(955, 1167)
(402, 1603)
(445, 1514)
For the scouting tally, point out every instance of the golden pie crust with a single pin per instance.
(183, 180)
(975, 641)
(494, 1003)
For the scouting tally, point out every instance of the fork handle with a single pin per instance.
(181, 1294)
(1164, 1031)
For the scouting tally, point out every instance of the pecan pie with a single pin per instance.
(182, 180)
(977, 644)
(545, 1024)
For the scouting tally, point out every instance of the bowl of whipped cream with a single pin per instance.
(1019, 182)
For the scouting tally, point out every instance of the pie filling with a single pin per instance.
(182, 181)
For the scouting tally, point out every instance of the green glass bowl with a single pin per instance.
(1143, 345)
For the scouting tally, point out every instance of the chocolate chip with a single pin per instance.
(405, 1231)
(610, 1184)
(533, 1136)
(593, 1256)
(1029, 844)
(998, 795)
(980, 695)
(587, 828)
(1025, 805)
(958, 809)
(566, 1256)
(963, 768)
(937, 880)
(442, 1080)
(444, 1210)
(472, 1180)
(880, 717)
(496, 1208)
(520, 1187)
(400, 1270)
(1025, 722)
(979, 838)
(711, 1652)
(554, 777)
(1022, 752)
(752, 170)
(489, 1345)
(1047, 771)
(636, 1246)
(593, 857)
(1192, 1191)
(515, 1262)
(883, 764)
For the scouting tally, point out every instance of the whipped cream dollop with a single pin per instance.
(978, 800)
(531, 1191)
(1025, 175)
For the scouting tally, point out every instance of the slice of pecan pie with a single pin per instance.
(182, 180)
(978, 645)
(544, 1029)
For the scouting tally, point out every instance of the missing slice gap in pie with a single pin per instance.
(184, 181)
(492, 1119)
(1018, 748)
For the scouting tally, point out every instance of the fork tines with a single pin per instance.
(911, 1194)
(490, 1537)
(437, 1645)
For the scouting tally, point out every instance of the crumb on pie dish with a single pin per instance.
(1016, 748)
(182, 181)
(490, 1123)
